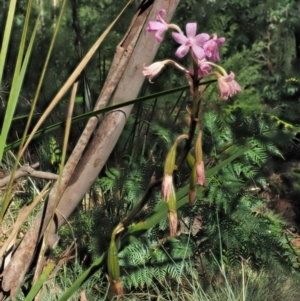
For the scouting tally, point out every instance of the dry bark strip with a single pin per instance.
(136, 49)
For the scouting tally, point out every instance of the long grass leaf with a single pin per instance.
(42, 279)
(17, 82)
(83, 277)
(16, 87)
(6, 37)
(84, 116)
(41, 79)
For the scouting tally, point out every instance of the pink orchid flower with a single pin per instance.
(211, 48)
(159, 26)
(204, 68)
(153, 70)
(191, 40)
(228, 86)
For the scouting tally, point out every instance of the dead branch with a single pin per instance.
(29, 171)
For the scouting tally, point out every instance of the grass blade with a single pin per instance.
(13, 98)
(6, 37)
(42, 279)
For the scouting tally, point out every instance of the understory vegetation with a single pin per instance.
(240, 238)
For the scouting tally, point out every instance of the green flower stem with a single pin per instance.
(194, 114)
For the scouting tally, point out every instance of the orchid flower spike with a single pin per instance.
(191, 40)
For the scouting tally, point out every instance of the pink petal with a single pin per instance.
(179, 37)
(223, 96)
(158, 36)
(154, 26)
(230, 77)
(162, 12)
(236, 87)
(209, 45)
(191, 29)
(200, 172)
(167, 186)
(182, 51)
(201, 38)
(198, 51)
(220, 41)
(204, 68)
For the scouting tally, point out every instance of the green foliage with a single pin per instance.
(147, 261)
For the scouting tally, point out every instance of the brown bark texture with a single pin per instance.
(123, 83)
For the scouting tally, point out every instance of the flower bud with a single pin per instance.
(168, 173)
(199, 165)
(167, 186)
(192, 196)
(117, 286)
(170, 160)
(198, 147)
(173, 222)
(200, 172)
(172, 213)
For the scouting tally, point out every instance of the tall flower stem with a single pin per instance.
(194, 113)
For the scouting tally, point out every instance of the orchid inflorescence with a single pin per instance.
(203, 48)
(204, 51)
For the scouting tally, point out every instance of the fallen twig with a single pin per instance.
(29, 171)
